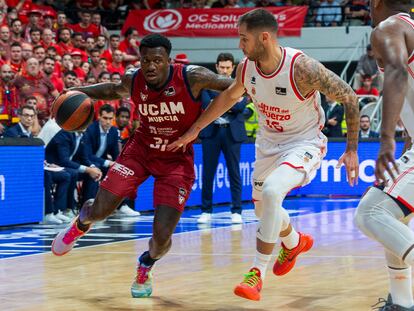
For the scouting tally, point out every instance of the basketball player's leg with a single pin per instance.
(381, 218)
(268, 204)
(170, 195)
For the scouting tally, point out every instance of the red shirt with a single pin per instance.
(363, 91)
(80, 73)
(166, 114)
(57, 82)
(90, 31)
(107, 54)
(65, 48)
(120, 69)
(17, 68)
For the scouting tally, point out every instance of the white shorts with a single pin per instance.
(305, 158)
(403, 187)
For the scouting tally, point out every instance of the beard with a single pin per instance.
(257, 53)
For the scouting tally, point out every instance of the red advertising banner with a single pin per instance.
(209, 22)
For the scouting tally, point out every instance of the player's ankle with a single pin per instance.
(81, 226)
(146, 260)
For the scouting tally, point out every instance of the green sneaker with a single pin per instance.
(142, 285)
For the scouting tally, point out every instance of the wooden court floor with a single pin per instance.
(344, 271)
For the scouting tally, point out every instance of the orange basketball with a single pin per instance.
(73, 111)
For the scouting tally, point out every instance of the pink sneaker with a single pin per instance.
(142, 285)
(67, 238)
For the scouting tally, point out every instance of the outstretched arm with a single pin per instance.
(223, 102)
(109, 90)
(311, 75)
(390, 50)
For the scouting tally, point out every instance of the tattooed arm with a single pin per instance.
(201, 78)
(310, 75)
(223, 102)
(109, 90)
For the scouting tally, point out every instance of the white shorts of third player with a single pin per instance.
(403, 187)
(305, 158)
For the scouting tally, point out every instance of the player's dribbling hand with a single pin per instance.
(183, 141)
(351, 162)
(385, 157)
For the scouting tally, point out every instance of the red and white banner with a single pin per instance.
(209, 22)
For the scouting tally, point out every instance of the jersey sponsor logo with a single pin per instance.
(162, 21)
(274, 115)
(143, 96)
(405, 159)
(162, 112)
(258, 184)
(122, 170)
(182, 193)
(170, 91)
(280, 91)
(307, 157)
(253, 80)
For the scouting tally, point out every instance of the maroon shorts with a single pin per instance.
(173, 174)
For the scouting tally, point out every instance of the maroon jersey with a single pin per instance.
(166, 114)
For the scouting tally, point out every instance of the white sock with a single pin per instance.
(401, 287)
(260, 262)
(291, 240)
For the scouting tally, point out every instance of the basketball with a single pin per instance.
(73, 111)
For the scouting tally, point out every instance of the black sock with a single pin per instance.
(146, 259)
(81, 226)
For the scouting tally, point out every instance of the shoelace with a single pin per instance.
(142, 274)
(384, 305)
(71, 235)
(283, 254)
(251, 279)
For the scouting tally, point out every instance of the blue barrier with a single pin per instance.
(327, 181)
(21, 184)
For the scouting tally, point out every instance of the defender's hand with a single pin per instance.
(385, 157)
(183, 141)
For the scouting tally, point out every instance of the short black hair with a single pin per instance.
(32, 30)
(14, 21)
(122, 109)
(107, 108)
(154, 41)
(104, 73)
(15, 44)
(70, 73)
(129, 31)
(403, 5)
(114, 36)
(223, 57)
(259, 19)
(365, 116)
(26, 107)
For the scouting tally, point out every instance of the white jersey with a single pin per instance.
(285, 115)
(407, 112)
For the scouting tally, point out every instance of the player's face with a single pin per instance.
(155, 64)
(250, 43)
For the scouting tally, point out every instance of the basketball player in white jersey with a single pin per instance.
(284, 85)
(385, 210)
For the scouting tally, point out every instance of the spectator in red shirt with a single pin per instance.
(35, 83)
(61, 21)
(367, 88)
(97, 21)
(49, 21)
(27, 51)
(64, 41)
(34, 23)
(48, 38)
(16, 31)
(39, 53)
(90, 44)
(114, 41)
(116, 65)
(86, 67)
(77, 62)
(77, 41)
(130, 46)
(103, 65)
(70, 79)
(9, 103)
(51, 51)
(16, 58)
(95, 57)
(5, 42)
(35, 36)
(49, 71)
(85, 27)
(67, 64)
(100, 43)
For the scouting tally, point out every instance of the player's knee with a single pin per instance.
(363, 216)
(258, 209)
(271, 193)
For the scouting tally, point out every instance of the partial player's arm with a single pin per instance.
(311, 75)
(223, 102)
(201, 78)
(389, 46)
(108, 90)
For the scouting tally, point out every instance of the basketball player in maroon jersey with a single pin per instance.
(167, 101)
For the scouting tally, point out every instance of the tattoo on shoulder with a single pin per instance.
(311, 75)
(202, 78)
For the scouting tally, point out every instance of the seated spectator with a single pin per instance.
(4, 43)
(9, 103)
(117, 64)
(35, 83)
(100, 143)
(64, 41)
(123, 115)
(114, 41)
(16, 31)
(16, 57)
(101, 43)
(24, 127)
(181, 59)
(26, 51)
(328, 14)
(49, 71)
(86, 67)
(39, 53)
(97, 21)
(95, 68)
(31, 101)
(365, 128)
(356, 12)
(334, 114)
(35, 36)
(116, 77)
(367, 65)
(64, 150)
(77, 63)
(130, 47)
(70, 79)
(367, 88)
